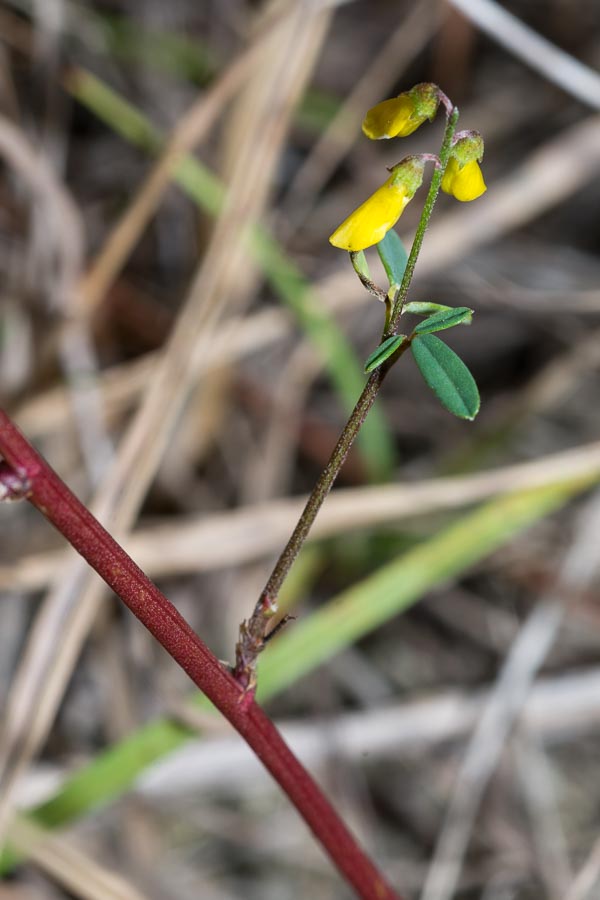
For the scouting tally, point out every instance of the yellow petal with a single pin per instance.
(464, 183)
(449, 175)
(368, 224)
(392, 118)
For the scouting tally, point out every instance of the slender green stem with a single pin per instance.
(434, 189)
(252, 632)
(389, 305)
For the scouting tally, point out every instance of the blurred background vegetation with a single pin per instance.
(182, 343)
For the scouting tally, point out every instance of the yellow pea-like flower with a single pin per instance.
(463, 182)
(392, 118)
(402, 115)
(370, 223)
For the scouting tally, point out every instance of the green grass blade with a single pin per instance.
(309, 643)
(110, 775)
(113, 110)
(170, 52)
(400, 584)
(283, 275)
(188, 58)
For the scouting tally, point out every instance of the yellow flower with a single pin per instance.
(370, 223)
(402, 115)
(392, 118)
(463, 182)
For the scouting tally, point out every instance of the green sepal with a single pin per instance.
(394, 257)
(384, 351)
(446, 318)
(408, 175)
(426, 97)
(468, 148)
(446, 375)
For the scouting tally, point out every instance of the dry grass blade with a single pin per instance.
(240, 536)
(121, 385)
(557, 708)
(534, 50)
(64, 222)
(68, 866)
(189, 131)
(538, 786)
(404, 45)
(586, 882)
(67, 613)
(519, 671)
(63, 227)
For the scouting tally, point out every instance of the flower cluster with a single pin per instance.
(399, 117)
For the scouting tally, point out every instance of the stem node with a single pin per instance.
(13, 486)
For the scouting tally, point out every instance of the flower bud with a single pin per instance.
(402, 115)
(463, 177)
(370, 223)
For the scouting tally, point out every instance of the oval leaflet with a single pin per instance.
(446, 375)
(384, 351)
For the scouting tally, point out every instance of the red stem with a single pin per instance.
(50, 495)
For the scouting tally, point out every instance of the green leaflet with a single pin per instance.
(446, 375)
(418, 308)
(384, 351)
(445, 318)
(394, 257)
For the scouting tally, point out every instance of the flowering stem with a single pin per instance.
(252, 632)
(24, 468)
(434, 189)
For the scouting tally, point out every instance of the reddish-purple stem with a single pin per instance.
(46, 491)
